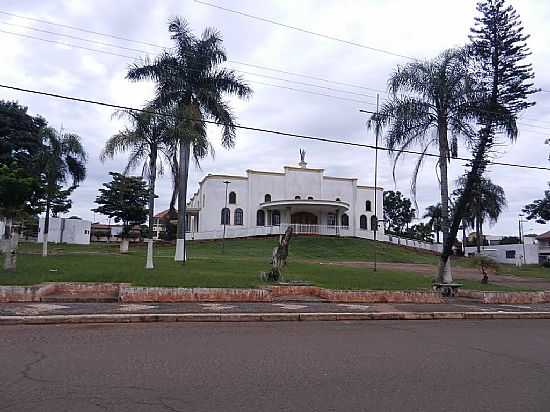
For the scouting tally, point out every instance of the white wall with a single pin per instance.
(498, 253)
(61, 230)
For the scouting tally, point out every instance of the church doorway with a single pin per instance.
(303, 218)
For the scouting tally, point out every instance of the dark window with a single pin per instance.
(275, 218)
(260, 218)
(297, 197)
(374, 222)
(368, 206)
(225, 216)
(310, 198)
(363, 222)
(338, 199)
(510, 254)
(238, 218)
(232, 198)
(331, 219)
(345, 220)
(267, 198)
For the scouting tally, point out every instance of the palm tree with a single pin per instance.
(62, 158)
(434, 213)
(190, 81)
(487, 203)
(429, 100)
(147, 142)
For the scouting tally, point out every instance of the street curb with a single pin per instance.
(261, 317)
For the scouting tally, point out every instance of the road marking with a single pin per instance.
(517, 306)
(289, 306)
(216, 306)
(131, 307)
(38, 308)
(354, 307)
(474, 308)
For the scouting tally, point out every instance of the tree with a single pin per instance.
(421, 231)
(510, 240)
(20, 146)
(498, 50)
(125, 199)
(429, 100)
(62, 157)
(190, 82)
(398, 212)
(539, 209)
(16, 188)
(486, 203)
(147, 142)
(434, 213)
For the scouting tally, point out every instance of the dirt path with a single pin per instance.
(458, 273)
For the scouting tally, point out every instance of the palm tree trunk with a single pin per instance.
(464, 237)
(478, 235)
(444, 273)
(175, 176)
(185, 150)
(46, 229)
(152, 181)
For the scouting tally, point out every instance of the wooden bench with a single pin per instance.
(447, 289)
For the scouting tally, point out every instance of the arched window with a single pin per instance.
(310, 198)
(238, 218)
(267, 198)
(338, 199)
(373, 222)
(275, 218)
(260, 218)
(232, 198)
(345, 220)
(363, 222)
(297, 197)
(226, 214)
(368, 206)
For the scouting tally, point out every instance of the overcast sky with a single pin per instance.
(415, 28)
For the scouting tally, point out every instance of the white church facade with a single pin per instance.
(266, 203)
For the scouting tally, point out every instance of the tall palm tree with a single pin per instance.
(486, 204)
(430, 100)
(434, 213)
(62, 158)
(189, 80)
(148, 143)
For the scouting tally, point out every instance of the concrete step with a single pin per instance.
(80, 298)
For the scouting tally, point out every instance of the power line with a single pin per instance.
(69, 36)
(241, 71)
(258, 129)
(191, 69)
(80, 29)
(325, 36)
(257, 66)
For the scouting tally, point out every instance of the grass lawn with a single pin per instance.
(535, 271)
(239, 267)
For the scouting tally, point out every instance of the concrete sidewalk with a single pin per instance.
(36, 313)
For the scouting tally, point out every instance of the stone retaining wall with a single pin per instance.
(127, 294)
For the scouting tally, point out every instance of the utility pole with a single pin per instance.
(521, 238)
(376, 133)
(225, 215)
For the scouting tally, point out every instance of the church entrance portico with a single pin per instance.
(304, 218)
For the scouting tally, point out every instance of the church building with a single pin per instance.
(266, 203)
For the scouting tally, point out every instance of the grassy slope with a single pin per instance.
(208, 267)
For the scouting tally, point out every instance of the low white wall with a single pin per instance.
(396, 240)
(75, 231)
(498, 253)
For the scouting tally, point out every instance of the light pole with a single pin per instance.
(521, 239)
(225, 215)
(376, 133)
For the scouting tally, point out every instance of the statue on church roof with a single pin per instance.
(302, 158)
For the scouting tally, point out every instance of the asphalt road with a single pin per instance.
(296, 366)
